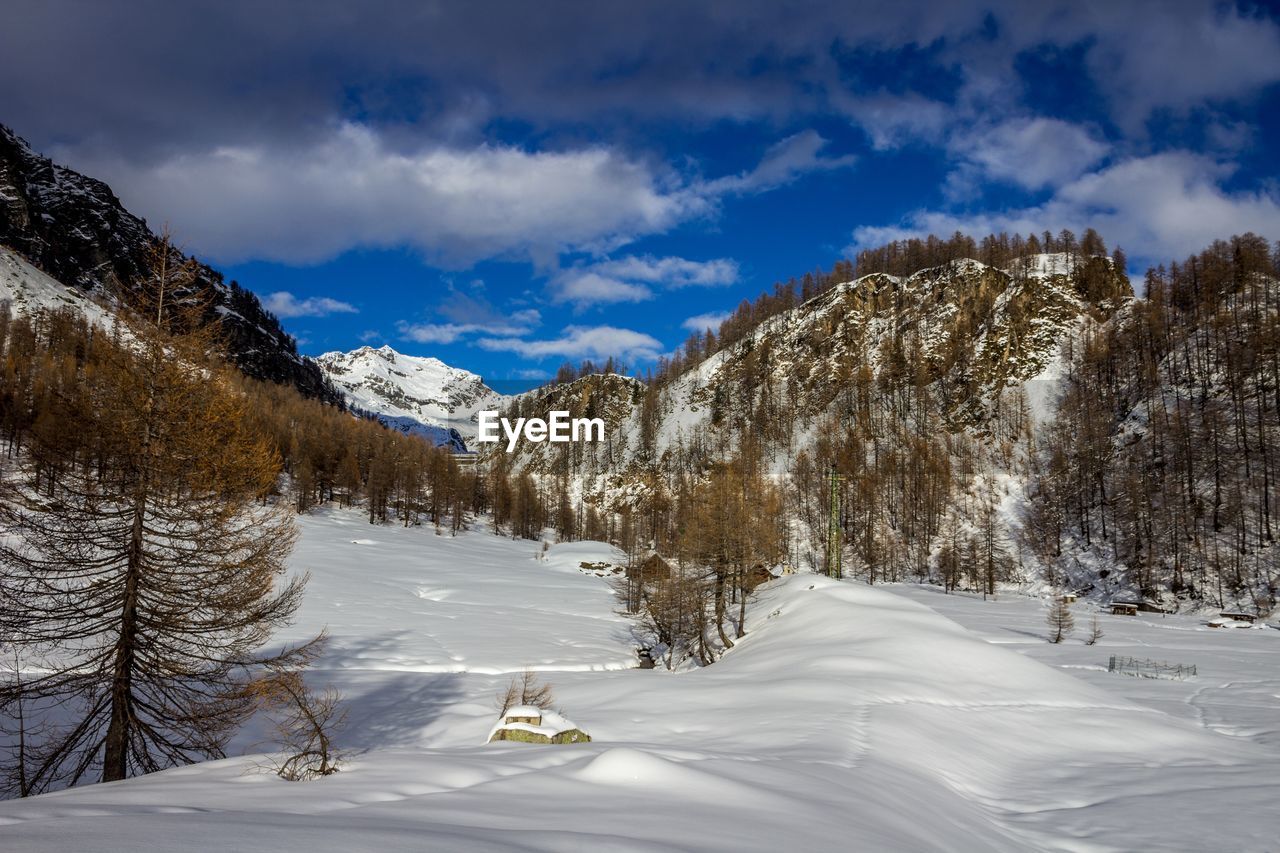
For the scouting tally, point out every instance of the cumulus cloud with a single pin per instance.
(350, 188)
(417, 64)
(701, 322)
(635, 278)
(1160, 207)
(518, 323)
(1033, 153)
(1193, 53)
(783, 163)
(249, 158)
(549, 62)
(435, 333)
(576, 342)
(584, 287)
(671, 272)
(285, 304)
(893, 120)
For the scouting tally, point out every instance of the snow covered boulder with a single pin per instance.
(530, 724)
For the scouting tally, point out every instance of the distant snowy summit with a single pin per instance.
(420, 396)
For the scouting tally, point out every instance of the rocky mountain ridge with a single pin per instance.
(74, 229)
(966, 330)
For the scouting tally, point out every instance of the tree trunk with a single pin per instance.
(116, 744)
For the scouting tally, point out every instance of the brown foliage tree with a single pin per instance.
(144, 574)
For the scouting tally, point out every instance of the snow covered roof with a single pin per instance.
(552, 723)
(523, 711)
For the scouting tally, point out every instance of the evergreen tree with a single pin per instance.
(1061, 622)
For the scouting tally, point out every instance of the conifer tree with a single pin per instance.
(143, 581)
(1061, 622)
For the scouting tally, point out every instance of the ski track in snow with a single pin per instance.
(848, 718)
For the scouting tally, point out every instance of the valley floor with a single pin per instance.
(849, 718)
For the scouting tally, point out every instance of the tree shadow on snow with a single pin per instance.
(397, 711)
(386, 707)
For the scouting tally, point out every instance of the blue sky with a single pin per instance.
(507, 186)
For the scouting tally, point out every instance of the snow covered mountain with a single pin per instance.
(75, 229)
(921, 388)
(420, 396)
(967, 330)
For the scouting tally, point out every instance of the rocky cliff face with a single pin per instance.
(74, 229)
(965, 333)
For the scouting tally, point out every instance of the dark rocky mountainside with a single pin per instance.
(76, 230)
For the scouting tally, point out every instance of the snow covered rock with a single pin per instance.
(529, 724)
(27, 289)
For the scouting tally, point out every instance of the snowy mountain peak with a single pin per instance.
(417, 394)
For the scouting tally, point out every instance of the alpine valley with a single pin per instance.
(1000, 412)
(794, 599)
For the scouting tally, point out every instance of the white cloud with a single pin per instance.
(1161, 207)
(671, 272)
(577, 342)
(701, 322)
(285, 304)
(891, 121)
(349, 188)
(1148, 61)
(517, 323)
(585, 287)
(434, 333)
(1032, 153)
(634, 278)
(783, 163)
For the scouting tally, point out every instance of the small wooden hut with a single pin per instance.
(756, 575)
(1238, 616)
(651, 569)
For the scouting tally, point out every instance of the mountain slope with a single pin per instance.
(74, 228)
(27, 289)
(924, 392)
(964, 330)
(1161, 477)
(419, 396)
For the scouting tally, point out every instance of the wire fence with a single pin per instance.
(1141, 668)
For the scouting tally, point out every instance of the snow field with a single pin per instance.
(848, 718)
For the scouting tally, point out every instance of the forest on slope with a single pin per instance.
(1031, 422)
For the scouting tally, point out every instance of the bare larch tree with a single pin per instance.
(140, 584)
